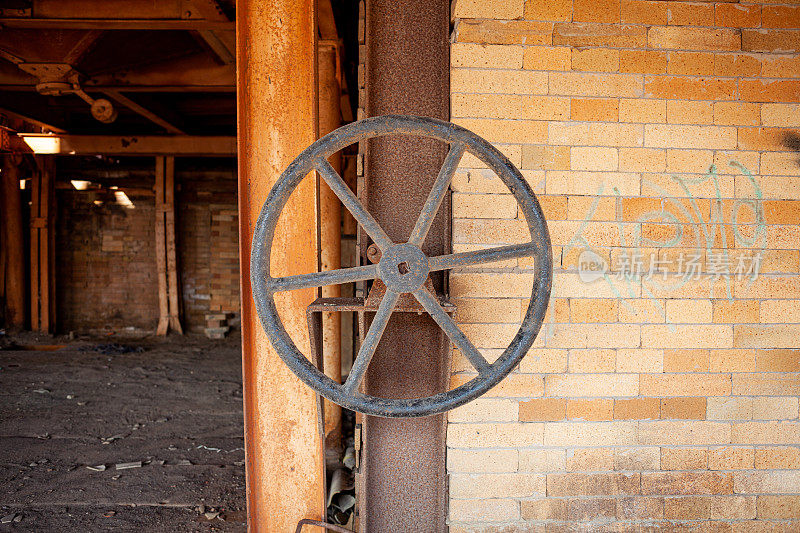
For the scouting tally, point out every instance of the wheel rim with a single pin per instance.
(315, 158)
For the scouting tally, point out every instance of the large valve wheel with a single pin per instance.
(403, 267)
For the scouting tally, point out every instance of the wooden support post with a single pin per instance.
(166, 250)
(330, 118)
(42, 246)
(13, 242)
(277, 119)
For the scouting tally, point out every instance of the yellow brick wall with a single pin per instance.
(660, 135)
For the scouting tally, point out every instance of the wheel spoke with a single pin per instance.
(351, 202)
(321, 279)
(477, 257)
(436, 195)
(451, 329)
(371, 340)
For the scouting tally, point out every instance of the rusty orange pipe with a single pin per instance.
(330, 238)
(276, 54)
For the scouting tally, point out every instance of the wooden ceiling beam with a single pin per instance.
(143, 111)
(30, 120)
(116, 24)
(183, 145)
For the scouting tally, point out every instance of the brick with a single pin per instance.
(507, 435)
(547, 58)
(500, 131)
(513, 386)
(588, 183)
(494, 510)
(593, 310)
(645, 111)
(556, 10)
(590, 410)
(777, 457)
(687, 483)
(691, 63)
(737, 16)
(591, 361)
(640, 360)
(735, 311)
(504, 485)
(485, 56)
(527, 32)
(694, 161)
(685, 112)
(643, 61)
(546, 361)
(486, 105)
(590, 433)
(733, 508)
(775, 408)
(589, 84)
(481, 460)
(595, 59)
(542, 410)
(737, 65)
(731, 458)
(685, 14)
(732, 361)
(765, 384)
(688, 311)
(637, 458)
(636, 409)
(729, 408)
(684, 459)
(594, 158)
(693, 38)
(765, 432)
(642, 159)
(686, 336)
(783, 506)
(544, 509)
(644, 12)
(592, 484)
(484, 206)
(688, 507)
(780, 115)
(769, 90)
(485, 410)
(576, 386)
(689, 88)
(684, 432)
(573, 134)
(780, 17)
(667, 385)
(481, 310)
(596, 11)
(473, 80)
(766, 336)
(774, 41)
(683, 408)
(640, 508)
(504, 9)
(587, 459)
(675, 136)
(594, 109)
(778, 361)
(593, 34)
(542, 460)
(737, 114)
(769, 482)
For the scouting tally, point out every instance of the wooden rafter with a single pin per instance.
(113, 24)
(143, 111)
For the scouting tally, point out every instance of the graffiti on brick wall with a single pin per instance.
(697, 241)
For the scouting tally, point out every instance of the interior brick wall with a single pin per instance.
(657, 133)
(106, 277)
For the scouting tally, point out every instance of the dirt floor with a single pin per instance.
(70, 417)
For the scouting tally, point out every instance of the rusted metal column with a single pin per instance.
(276, 50)
(13, 241)
(404, 484)
(330, 234)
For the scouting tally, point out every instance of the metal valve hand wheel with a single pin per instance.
(403, 267)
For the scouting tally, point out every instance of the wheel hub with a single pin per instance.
(403, 268)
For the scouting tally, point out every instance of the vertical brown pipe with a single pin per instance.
(13, 240)
(330, 237)
(277, 118)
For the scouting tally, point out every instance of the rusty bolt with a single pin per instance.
(373, 253)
